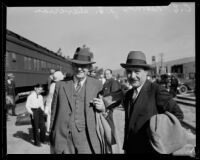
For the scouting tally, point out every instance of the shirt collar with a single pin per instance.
(76, 81)
(139, 88)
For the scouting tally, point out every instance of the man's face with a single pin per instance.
(38, 90)
(81, 71)
(108, 74)
(136, 76)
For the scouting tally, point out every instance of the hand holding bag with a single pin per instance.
(166, 133)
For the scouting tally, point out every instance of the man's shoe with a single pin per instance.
(37, 144)
(44, 142)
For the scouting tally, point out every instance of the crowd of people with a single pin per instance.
(78, 112)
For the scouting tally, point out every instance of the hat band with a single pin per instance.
(135, 61)
(82, 57)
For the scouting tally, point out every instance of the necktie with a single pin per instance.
(78, 87)
(130, 109)
(135, 92)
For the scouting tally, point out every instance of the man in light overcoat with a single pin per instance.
(73, 127)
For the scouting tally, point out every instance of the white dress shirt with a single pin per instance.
(34, 101)
(81, 82)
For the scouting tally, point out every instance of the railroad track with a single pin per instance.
(187, 101)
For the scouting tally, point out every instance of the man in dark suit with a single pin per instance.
(10, 93)
(73, 126)
(144, 100)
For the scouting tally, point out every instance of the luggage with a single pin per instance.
(23, 119)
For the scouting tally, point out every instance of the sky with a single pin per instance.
(110, 32)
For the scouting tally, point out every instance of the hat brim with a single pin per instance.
(81, 62)
(11, 76)
(145, 66)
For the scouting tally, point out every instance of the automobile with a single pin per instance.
(184, 84)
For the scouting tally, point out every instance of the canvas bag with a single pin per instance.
(166, 133)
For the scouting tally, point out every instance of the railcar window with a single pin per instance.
(29, 63)
(7, 59)
(34, 64)
(38, 65)
(45, 64)
(14, 57)
(42, 65)
(25, 63)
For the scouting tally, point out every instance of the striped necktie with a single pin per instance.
(78, 87)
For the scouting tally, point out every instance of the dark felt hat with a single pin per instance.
(82, 56)
(136, 59)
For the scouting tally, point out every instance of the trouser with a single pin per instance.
(38, 123)
(12, 107)
(80, 141)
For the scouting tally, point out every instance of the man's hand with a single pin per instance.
(99, 104)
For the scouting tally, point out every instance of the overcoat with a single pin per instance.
(61, 110)
(152, 99)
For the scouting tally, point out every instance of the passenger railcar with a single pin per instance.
(30, 62)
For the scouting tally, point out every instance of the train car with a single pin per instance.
(30, 62)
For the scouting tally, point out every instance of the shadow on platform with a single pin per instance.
(25, 136)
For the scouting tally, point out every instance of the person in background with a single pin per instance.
(57, 76)
(111, 86)
(101, 78)
(76, 106)
(92, 73)
(10, 94)
(50, 78)
(173, 86)
(144, 100)
(35, 107)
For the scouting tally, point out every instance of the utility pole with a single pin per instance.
(154, 65)
(161, 63)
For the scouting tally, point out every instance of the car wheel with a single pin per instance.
(183, 89)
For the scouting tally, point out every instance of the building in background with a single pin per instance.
(183, 68)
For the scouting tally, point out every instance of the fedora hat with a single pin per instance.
(82, 56)
(136, 59)
(11, 75)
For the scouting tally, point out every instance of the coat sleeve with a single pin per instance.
(165, 102)
(125, 105)
(49, 98)
(115, 86)
(54, 105)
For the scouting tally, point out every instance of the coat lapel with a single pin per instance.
(68, 88)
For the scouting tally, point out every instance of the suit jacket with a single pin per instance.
(61, 110)
(111, 86)
(151, 100)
